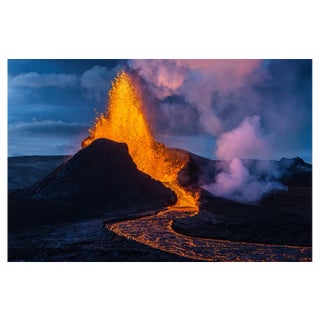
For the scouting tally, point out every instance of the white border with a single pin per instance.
(166, 29)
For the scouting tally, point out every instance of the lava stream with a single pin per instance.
(156, 231)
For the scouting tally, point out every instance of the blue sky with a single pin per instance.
(53, 103)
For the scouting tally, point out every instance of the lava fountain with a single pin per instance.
(124, 121)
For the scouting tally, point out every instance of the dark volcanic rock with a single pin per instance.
(296, 172)
(281, 218)
(99, 178)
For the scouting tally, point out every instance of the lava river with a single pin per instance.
(156, 231)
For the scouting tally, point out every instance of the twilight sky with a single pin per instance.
(215, 108)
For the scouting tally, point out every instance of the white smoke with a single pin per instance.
(236, 181)
(238, 184)
(245, 141)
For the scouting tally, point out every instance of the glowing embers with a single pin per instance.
(126, 122)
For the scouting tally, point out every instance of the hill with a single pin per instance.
(97, 179)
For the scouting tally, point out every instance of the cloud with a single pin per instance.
(178, 118)
(37, 80)
(45, 137)
(59, 145)
(53, 128)
(163, 76)
(225, 74)
(97, 81)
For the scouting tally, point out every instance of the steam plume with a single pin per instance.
(208, 86)
(236, 181)
(245, 141)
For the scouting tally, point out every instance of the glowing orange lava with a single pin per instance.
(125, 122)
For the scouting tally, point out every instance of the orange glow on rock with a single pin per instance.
(125, 122)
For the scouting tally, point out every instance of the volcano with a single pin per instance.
(99, 178)
(124, 185)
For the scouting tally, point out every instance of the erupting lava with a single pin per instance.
(125, 122)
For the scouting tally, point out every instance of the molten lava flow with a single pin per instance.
(125, 122)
